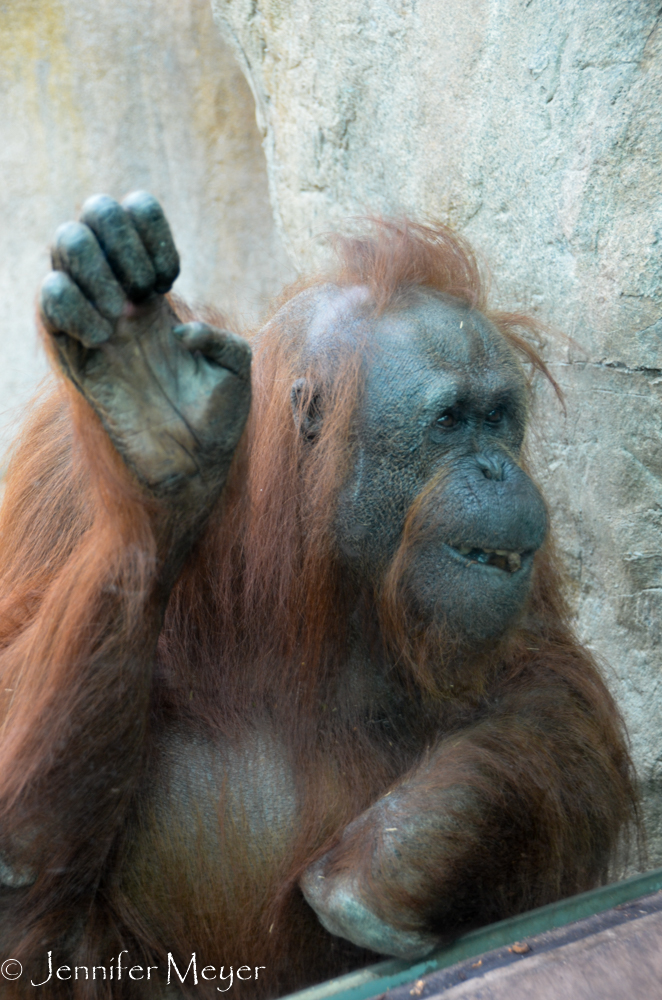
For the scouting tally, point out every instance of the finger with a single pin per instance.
(64, 309)
(152, 226)
(121, 244)
(77, 252)
(220, 346)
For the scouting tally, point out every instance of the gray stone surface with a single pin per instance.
(112, 95)
(535, 128)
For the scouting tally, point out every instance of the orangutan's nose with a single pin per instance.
(490, 465)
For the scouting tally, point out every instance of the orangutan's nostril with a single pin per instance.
(490, 466)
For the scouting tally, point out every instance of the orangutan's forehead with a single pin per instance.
(440, 329)
(336, 311)
(444, 331)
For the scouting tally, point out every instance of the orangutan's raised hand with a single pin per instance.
(173, 398)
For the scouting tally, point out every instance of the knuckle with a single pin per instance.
(152, 227)
(144, 205)
(54, 288)
(73, 237)
(136, 240)
(199, 330)
(99, 207)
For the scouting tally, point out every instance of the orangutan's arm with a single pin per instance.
(152, 426)
(513, 813)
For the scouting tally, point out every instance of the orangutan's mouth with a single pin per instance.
(505, 559)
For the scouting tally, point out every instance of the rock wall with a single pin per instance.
(112, 95)
(535, 128)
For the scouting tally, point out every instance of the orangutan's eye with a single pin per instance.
(447, 420)
(494, 416)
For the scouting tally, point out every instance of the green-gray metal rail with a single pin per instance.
(376, 979)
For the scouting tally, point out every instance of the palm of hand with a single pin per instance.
(173, 399)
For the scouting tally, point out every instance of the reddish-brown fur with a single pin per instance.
(257, 627)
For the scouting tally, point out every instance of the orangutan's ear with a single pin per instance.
(306, 400)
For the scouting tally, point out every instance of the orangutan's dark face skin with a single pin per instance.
(444, 411)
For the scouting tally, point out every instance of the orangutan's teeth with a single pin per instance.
(504, 559)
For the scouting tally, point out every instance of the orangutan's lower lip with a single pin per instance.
(508, 560)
